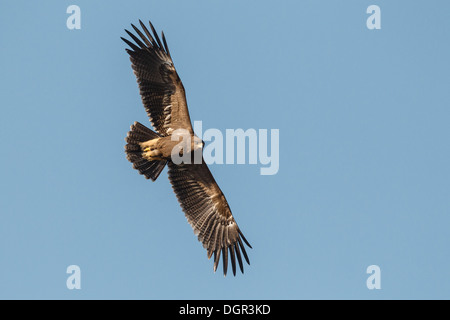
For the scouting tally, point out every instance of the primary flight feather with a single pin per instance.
(164, 99)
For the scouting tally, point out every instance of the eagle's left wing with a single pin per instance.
(161, 89)
(207, 211)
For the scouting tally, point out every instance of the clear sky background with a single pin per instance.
(364, 120)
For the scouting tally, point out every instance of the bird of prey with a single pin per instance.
(164, 99)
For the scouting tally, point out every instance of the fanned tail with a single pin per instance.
(139, 133)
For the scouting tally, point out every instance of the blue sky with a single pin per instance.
(364, 150)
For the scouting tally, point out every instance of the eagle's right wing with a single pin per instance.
(161, 89)
(208, 213)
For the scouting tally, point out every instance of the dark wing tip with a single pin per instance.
(129, 43)
(166, 47)
(233, 259)
(148, 40)
(243, 251)
(243, 238)
(238, 255)
(155, 34)
(236, 249)
(136, 40)
(216, 259)
(225, 260)
(149, 35)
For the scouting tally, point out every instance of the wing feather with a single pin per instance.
(238, 254)
(207, 211)
(225, 260)
(161, 89)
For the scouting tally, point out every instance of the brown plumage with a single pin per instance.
(164, 99)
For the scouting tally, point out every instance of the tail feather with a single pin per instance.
(140, 133)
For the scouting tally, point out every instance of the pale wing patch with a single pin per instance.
(168, 117)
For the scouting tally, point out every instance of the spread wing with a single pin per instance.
(207, 211)
(161, 89)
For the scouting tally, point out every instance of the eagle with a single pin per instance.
(164, 99)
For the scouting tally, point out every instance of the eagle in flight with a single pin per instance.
(164, 99)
